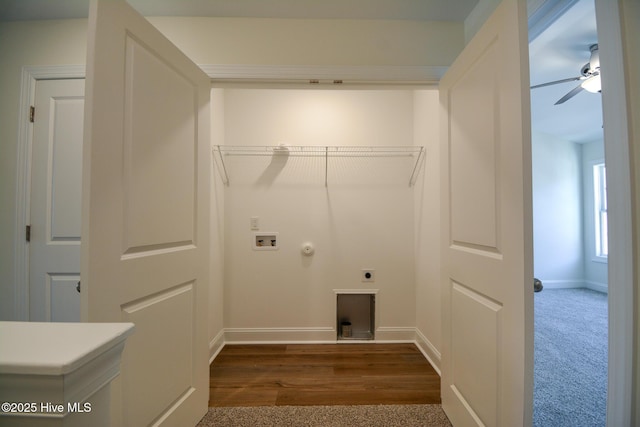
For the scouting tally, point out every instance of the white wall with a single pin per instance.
(427, 230)
(563, 215)
(216, 227)
(314, 41)
(557, 211)
(363, 218)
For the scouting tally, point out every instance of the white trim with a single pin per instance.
(290, 335)
(216, 345)
(313, 335)
(232, 343)
(395, 334)
(424, 75)
(599, 193)
(356, 291)
(282, 329)
(429, 351)
(591, 211)
(30, 75)
(575, 284)
(545, 13)
(595, 286)
(563, 284)
(620, 227)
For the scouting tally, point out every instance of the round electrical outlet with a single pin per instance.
(368, 275)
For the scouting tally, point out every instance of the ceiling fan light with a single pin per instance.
(594, 60)
(592, 84)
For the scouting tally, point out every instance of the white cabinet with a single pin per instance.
(59, 374)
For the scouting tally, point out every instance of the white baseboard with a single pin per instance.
(395, 334)
(562, 284)
(307, 335)
(310, 335)
(428, 350)
(215, 345)
(573, 284)
(595, 286)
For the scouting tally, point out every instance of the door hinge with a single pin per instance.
(28, 233)
(32, 113)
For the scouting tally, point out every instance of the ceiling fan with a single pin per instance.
(590, 76)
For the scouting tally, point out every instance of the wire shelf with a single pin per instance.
(319, 151)
(307, 150)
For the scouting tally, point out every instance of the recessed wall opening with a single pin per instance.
(356, 316)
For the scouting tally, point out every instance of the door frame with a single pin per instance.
(30, 76)
(621, 302)
(620, 267)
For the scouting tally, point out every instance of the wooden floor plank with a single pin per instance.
(322, 374)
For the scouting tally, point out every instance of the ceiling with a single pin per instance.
(558, 52)
(429, 10)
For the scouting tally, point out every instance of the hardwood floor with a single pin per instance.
(322, 374)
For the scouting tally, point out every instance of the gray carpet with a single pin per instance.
(570, 358)
(328, 416)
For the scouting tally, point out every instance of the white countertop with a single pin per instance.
(48, 348)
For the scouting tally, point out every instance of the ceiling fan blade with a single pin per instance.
(571, 79)
(576, 90)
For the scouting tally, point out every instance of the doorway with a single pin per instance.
(571, 328)
(31, 75)
(567, 151)
(53, 230)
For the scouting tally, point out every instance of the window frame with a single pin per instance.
(600, 211)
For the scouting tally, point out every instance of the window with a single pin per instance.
(600, 204)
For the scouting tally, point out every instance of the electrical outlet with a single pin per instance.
(368, 275)
(255, 223)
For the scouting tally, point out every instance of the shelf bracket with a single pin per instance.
(326, 164)
(223, 169)
(414, 175)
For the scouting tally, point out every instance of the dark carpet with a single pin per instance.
(570, 358)
(327, 416)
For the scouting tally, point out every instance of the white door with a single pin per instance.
(56, 177)
(145, 207)
(487, 284)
